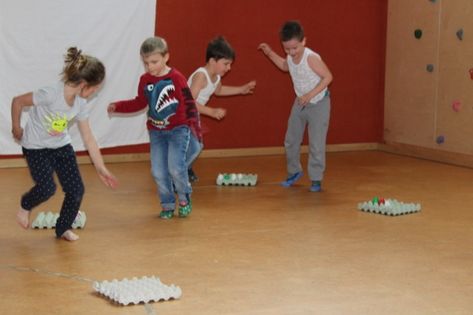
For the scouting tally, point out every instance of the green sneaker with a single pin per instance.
(166, 214)
(185, 209)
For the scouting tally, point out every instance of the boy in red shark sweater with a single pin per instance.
(172, 116)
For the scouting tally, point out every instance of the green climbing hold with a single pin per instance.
(375, 200)
(418, 33)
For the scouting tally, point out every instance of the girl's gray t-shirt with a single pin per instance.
(49, 118)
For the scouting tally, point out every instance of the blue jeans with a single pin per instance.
(195, 147)
(169, 165)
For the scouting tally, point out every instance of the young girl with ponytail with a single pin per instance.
(46, 142)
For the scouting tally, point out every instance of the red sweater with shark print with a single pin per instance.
(169, 101)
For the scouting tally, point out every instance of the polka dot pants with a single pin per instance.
(42, 164)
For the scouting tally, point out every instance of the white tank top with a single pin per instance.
(205, 93)
(303, 77)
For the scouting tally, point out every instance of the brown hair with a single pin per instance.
(79, 67)
(219, 48)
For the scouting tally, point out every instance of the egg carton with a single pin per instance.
(47, 220)
(390, 207)
(236, 179)
(135, 291)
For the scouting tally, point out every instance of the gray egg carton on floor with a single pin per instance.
(47, 220)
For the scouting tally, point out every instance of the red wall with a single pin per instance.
(349, 35)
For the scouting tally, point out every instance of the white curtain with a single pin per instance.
(34, 36)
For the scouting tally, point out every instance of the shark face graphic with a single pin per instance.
(162, 103)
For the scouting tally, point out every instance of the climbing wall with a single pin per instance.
(455, 97)
(429, 71)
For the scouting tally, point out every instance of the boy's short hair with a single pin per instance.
(219, 48)
(291, 30)
(153, 45)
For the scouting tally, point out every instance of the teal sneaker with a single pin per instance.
(292, 179)
(185, 208)
(316, 186)
(166, 214)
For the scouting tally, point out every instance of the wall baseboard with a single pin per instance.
(213, 153)
(389, 147)
(436, 155)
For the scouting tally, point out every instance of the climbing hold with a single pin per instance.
(440, 139)
(430, 67)
(471, 73)
(418, 33)
(460, 34)
(456, 105)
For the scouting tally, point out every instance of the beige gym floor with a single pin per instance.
(254, 250)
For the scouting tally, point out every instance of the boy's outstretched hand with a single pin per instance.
(265, 48)
(111, 108)
(218, 113)
(248, 88)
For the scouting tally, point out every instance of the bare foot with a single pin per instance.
(70, 236)
(23, 218)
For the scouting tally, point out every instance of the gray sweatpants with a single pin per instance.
(316, 116)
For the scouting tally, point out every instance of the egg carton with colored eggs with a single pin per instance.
(236, 179)
(391, 207)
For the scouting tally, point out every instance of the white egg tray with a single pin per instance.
(135, 291)
(47, 220)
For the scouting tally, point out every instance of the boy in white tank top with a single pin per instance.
(206, 81)
(310, 77)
